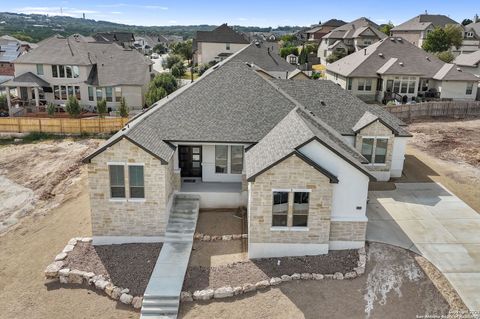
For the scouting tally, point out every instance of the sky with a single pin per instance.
(261, 13)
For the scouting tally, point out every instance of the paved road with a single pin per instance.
(428, 219)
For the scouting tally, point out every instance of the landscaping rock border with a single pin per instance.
(205, 237)
(229, 291)
(58, 271)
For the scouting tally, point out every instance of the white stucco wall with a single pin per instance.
(352, 188)
(207, 51)
(398, 156)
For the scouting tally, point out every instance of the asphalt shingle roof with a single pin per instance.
(222, 34)
(265, 56)
(451, 72)
(351, 29)
(468, 59)
(423, 21)
(29, 79)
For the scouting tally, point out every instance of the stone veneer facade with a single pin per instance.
(377, 129)
(125, 217)
(292, 173)
(348, 231)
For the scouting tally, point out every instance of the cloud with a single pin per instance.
(242, 19)
(58, 11)
(116, 12)
(123, 5)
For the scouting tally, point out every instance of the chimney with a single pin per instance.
(365, 51)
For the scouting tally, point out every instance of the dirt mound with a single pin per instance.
(39, 176)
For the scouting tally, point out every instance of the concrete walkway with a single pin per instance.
(427, 219)
(162, 296)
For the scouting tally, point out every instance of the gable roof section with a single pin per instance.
(423, 21)
(221, 34)
(351, 29)
(27, 78)
(265, 56)
(450, 72)
(468, 59)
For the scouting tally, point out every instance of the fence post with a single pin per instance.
(80, 126)
(40, 125)
(19, 125)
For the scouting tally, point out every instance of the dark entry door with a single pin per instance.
(190, 161)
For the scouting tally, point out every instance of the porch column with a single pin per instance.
(9, 102)
(37, 98)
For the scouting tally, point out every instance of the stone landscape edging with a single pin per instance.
(206, 237)
(57, 271)
(229, 291)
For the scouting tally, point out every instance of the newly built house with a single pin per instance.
(395, 69)
(299, 155)
(74, 66)
(217, 45)
(349, 38)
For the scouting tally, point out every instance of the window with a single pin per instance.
(221, 156)
(118, 94)
(280, 209)
(56, 92)
(117, 181)
(469, 89)
(77, 93)
(367, 42)
(61, 72)
(68, 70)
(90, 94)
(136, 181)
(99, 93)
(109, 94)
(55, 71)
(236, 162)
(367, 148)
(76, 71)
(349, 86)
(412, 83)
(64, 92)
(361, 85)
(40, 69)
(469, 34)
(70, 90)
(368, 84)
(381, 150)
(396, 85)
(227, 46)
(300, 209)
(325, 53)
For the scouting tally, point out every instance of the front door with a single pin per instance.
(190, 161)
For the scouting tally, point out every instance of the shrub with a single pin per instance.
(335, 56)
(288, 50)
(165, 80)
(123, 110)
(51, 109)
(73, 107)
(202, 68)
(171, 60)
(316, 75)
(102, 108)
(178, 69)
(154, 94)
(446, 56)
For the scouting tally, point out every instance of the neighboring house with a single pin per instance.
(470, 62)
(471, 39)
(349, 38)
(9, 51)
(124, 39)
(416, 29)
(218, 44)
(395, 69)
(61, 67)
(298, 155)
(146, 43)
(316, 33)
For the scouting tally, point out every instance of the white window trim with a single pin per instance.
(136, 164)
(286, 228)
(375, 143)
(126, 199)
(116, 163)
(285, 190)
(300, 190)
(137, 200)
(116, 199)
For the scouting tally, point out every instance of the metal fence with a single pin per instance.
(450, 109)
(62, 125)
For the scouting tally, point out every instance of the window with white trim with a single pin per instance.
(136, 181)
(117, 181)
(300, 209)
(374, 149)
(469, 89)
(364, 85)
(229, 159)
(221, 159)
(236, 161)
(280, 209)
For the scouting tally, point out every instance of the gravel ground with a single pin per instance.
(219, 223)
(128, 265)
(255, 270)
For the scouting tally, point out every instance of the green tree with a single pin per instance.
(123, 110)
(178, 69)
(183, 49)
(160, 48)
(446, 56)
(171, 60)
(386, 28)
(436, 41)
(22, 36)
(454, 34)
(72, 106)
(335, 56)
(288, 38)
(154, 94)
(51, 109)
(288, 50)
(467, 21)
(102, 108)
(303, 58)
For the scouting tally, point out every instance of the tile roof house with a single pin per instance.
(416, 29)
(298, 154)
(90, 71)
(394, 68)
(349, 38)
(317, 32)
(217, 44)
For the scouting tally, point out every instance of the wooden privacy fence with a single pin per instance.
(61, 125)
(450, 109)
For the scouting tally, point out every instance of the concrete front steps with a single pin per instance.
(162, 296)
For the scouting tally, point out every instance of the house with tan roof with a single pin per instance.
(61, 67)
(217, 45)
(349, 38)
(298, 155)
(395, 69)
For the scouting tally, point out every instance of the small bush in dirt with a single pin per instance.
(51, 109)
(123, 110)
(37, 136)
(73, 107)
(102, 108)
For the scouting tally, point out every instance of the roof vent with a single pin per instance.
(392, 39)
(323, 103)
(401, 63)
(428, 58)
(380, 54)
(459, 70)
(257, 43)
(399, 39)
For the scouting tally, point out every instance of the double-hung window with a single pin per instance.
(290, 208)
(40, 69)
(280, 209)
(90, 94)
(136, 181)
(367, 148)
(109, 94)
(229, 159)
(300, 209)
(118, 94)
(117, 181)
(236, 162)
(375, 149)
(55, 71)
(221, 159)
(469, 89)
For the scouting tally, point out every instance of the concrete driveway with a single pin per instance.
(427, 219)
